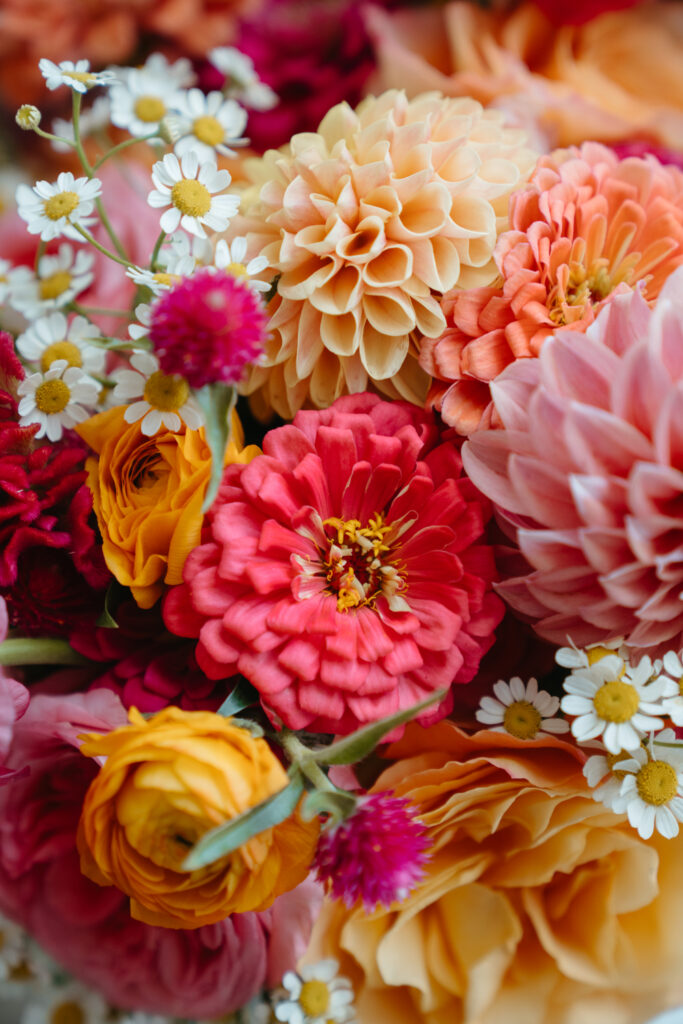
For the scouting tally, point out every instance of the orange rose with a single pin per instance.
(148, 494)
(539, 906)
(168, 780)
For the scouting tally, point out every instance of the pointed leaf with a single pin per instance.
(223, 840)
(111, 600)
(319, 801)
(243, 696)
(217, 402)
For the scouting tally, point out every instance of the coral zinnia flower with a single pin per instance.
(342, 572)
(588, 479)
(586, 227)
(363, 222)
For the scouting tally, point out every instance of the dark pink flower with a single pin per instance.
(14, 700)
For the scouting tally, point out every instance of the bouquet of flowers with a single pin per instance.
(341, 526)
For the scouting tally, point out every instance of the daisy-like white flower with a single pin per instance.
(92, 119)
(9, 276)
(140, 330)
(522, 711)
(652, 787)
(141, 101)
(619, 702)
(242, 81)
(178, 73)
(56, 399)
(53, 338)
(67, 1004)
(157, 281)
(60, 278)
(184, 253)
(673, 705)
(189, 189)
(53, 209)
(577, 657)
(77, 76)
(603, 773)
(209, 125)
(163, 400)
(230, 257)
(317, 995)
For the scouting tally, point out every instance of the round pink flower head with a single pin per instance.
(377, 855)
(343, 571)
(586, 228)
(208, 327)
(588, 476)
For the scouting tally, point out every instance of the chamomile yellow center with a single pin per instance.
(208, 130)
(149, 109)
(162, 278)
(191, 197)
(237, 270)
(67, 1013)
(167, 392)
(52, 396)
(84, 77)
(60, 350)
(55, 285)
(597, 654)
(614, 759)
(61, 205)
(616, 701)
(656, 783)
(314, 998)
(522, 720)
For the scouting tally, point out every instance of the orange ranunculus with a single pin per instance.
(539, 905)
(148, 494)
(164, 783)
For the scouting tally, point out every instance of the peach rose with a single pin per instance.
(539, 905)
(148, 494)
(615, 77)
(164, 783)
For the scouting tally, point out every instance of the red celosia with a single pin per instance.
(343, 571)
(208, 327)
(377, 855)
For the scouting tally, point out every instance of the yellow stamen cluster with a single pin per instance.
(149, 109)
(60, 350)
(167, 392)
(657, 783)
(55, 285)
(52, 396)
(314, 998)
(191, 197)
(522, 720)
(616, 701)
(354, 568)
(208, 130)
(86, 78)
(588, 286)
(61, 205)
(67, 1013)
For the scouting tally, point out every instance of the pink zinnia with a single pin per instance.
(587, 476)
(377, 855)
(208, 327)
(587, 227)
(343, 571)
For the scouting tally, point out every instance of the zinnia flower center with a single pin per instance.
(84, 77)
(67, 1013)
(314, 998)
(61, 205)
(166, 392)
(54, 285)
(209, 130)
(616, 701)
(149, 109)
(522, 720)
(60, 350)
(52, 396)
(191, 197)
(356, 566)
(657, 783)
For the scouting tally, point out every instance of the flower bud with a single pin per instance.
(28, 117)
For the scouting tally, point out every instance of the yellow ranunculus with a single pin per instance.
(148, 494)
(164, 783)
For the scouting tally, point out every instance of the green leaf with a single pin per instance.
(243, 696)
(251, 727)
(319, 801)
(359, 744)
(223, 840)
(111, 599)
(217, 402)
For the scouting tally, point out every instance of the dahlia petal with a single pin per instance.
(267, 675)
(403, 658)
(301, 658)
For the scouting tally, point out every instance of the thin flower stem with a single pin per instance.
(40, 252)
(97, 310)
(39, 650)
(54, 138)
(109, 229)
(661, 743)
(122, 145)
(300, 755)
(100, 248)
(157, 249)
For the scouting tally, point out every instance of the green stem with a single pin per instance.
(54, 138)
(157, 249)
(39, 650)
(109, 229)
(97, 310)
(100, 248)
(122, 145)
(660, 743)
(40, 251)
(300, 755)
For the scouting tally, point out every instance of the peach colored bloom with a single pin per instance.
(539, 905)
(366, 223)
(586, 228)
(612, 78)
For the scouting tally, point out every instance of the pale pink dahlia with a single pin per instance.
(587, 227)
(588, 476)
(376, 856)
(343, 571)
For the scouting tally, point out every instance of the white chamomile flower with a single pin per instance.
(53, 209)
(620, 703)
(577, 657)
(178, 74)
(60, 278)
(56, 399)
(185, 253)
(67, 1003)
(92, 119)
(242, 81)
(652, 787)
(209, 125)
(231, 258)
(140, 330)
(142, 100)
(163, 400)
(53, 338)
(10, 179)
(77, 76)
(673, 705)
(603, 774)
(157, 281)
(189, 189)
(522, 711)
(317, 995)
(13, 948)
(9, 276)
